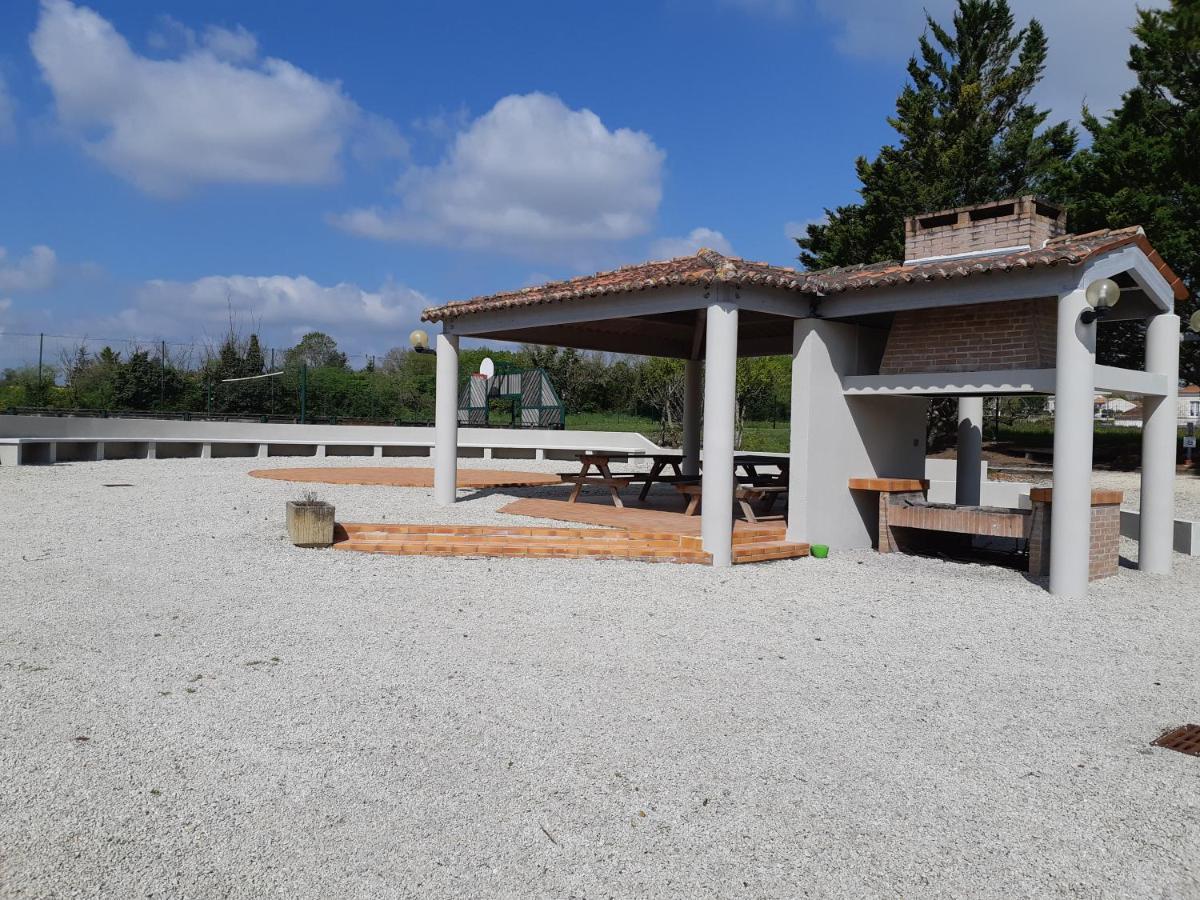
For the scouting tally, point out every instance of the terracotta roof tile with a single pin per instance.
(707, 267)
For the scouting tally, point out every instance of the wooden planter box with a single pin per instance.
(310, 523)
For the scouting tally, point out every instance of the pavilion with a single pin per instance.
(989, 300)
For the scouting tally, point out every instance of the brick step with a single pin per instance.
(765, 550)
(530, 549)
(432, 532)
(482, 540)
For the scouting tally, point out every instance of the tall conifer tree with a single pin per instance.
(1143, 167)
(967, 134)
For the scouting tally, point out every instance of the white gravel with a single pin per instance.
(263, 721)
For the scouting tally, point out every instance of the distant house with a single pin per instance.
(1114, 409)
(1189, 404)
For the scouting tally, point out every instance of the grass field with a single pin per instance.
(765, 437)
(1120, 447)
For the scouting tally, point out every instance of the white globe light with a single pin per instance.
(1194, 321)
(419, 340)
(1103, 294)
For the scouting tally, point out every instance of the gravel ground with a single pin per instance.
(191, 707)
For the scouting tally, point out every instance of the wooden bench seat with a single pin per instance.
(744, 494)
(613, 483)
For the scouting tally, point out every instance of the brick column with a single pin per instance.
(1104, 555)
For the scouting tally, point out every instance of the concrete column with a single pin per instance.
(1159, 432)
(1074, 389)
(720, 385)
(970, 451)
(691, 417)
(445, 454)
(804, 341)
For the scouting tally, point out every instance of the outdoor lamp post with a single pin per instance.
(1101, 296)
(420, 342)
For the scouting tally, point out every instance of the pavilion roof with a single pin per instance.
(708, 267)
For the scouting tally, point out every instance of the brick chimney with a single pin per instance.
(1021, 223)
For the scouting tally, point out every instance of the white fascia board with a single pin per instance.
(1138, 265)
(994, 287)
(936, 384)
(1131, 381)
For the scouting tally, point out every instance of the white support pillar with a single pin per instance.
(970, 451)
(1074, 391)
(1159, 432)
(445, 452)
(801, 410)
(691, 417)
(720, 386)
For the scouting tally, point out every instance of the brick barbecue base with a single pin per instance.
(1104, 555)
(903, 505)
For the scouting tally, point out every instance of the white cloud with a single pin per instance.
(294, 304)
(798, 229)
(1089, 39)
(236, 45)
(7, 123)
(530, 176)
(212, 114)
(697, 238)
(35, 272)
(1088, 42)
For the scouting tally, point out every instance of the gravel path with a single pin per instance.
(193, 708)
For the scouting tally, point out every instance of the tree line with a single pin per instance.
(397, 387)
(967, 131)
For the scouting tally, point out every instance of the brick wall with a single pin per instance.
(1024, 221)
(1018, 334)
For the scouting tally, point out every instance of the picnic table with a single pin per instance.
(750, 463)
(604, 476)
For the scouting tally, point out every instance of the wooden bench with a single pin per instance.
(614, 483)
(743, 494)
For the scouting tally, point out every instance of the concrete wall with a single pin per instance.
(88, 438)
(836, 438)
(942, 476)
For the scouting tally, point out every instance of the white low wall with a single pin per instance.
(942, 476)
(47, 439)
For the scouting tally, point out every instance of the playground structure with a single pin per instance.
(534, 402)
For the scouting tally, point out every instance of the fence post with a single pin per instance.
(272, 381)
(162, 375)
(303, 390)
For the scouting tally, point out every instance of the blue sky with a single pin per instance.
(339, 166)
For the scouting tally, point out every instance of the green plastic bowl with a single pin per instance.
(820, 551)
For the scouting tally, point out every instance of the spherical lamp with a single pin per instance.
(419, 340)
(1101, 295)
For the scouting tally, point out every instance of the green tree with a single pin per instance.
(1143, 166)
(316, 350)
(967, 134)
(136, 385)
